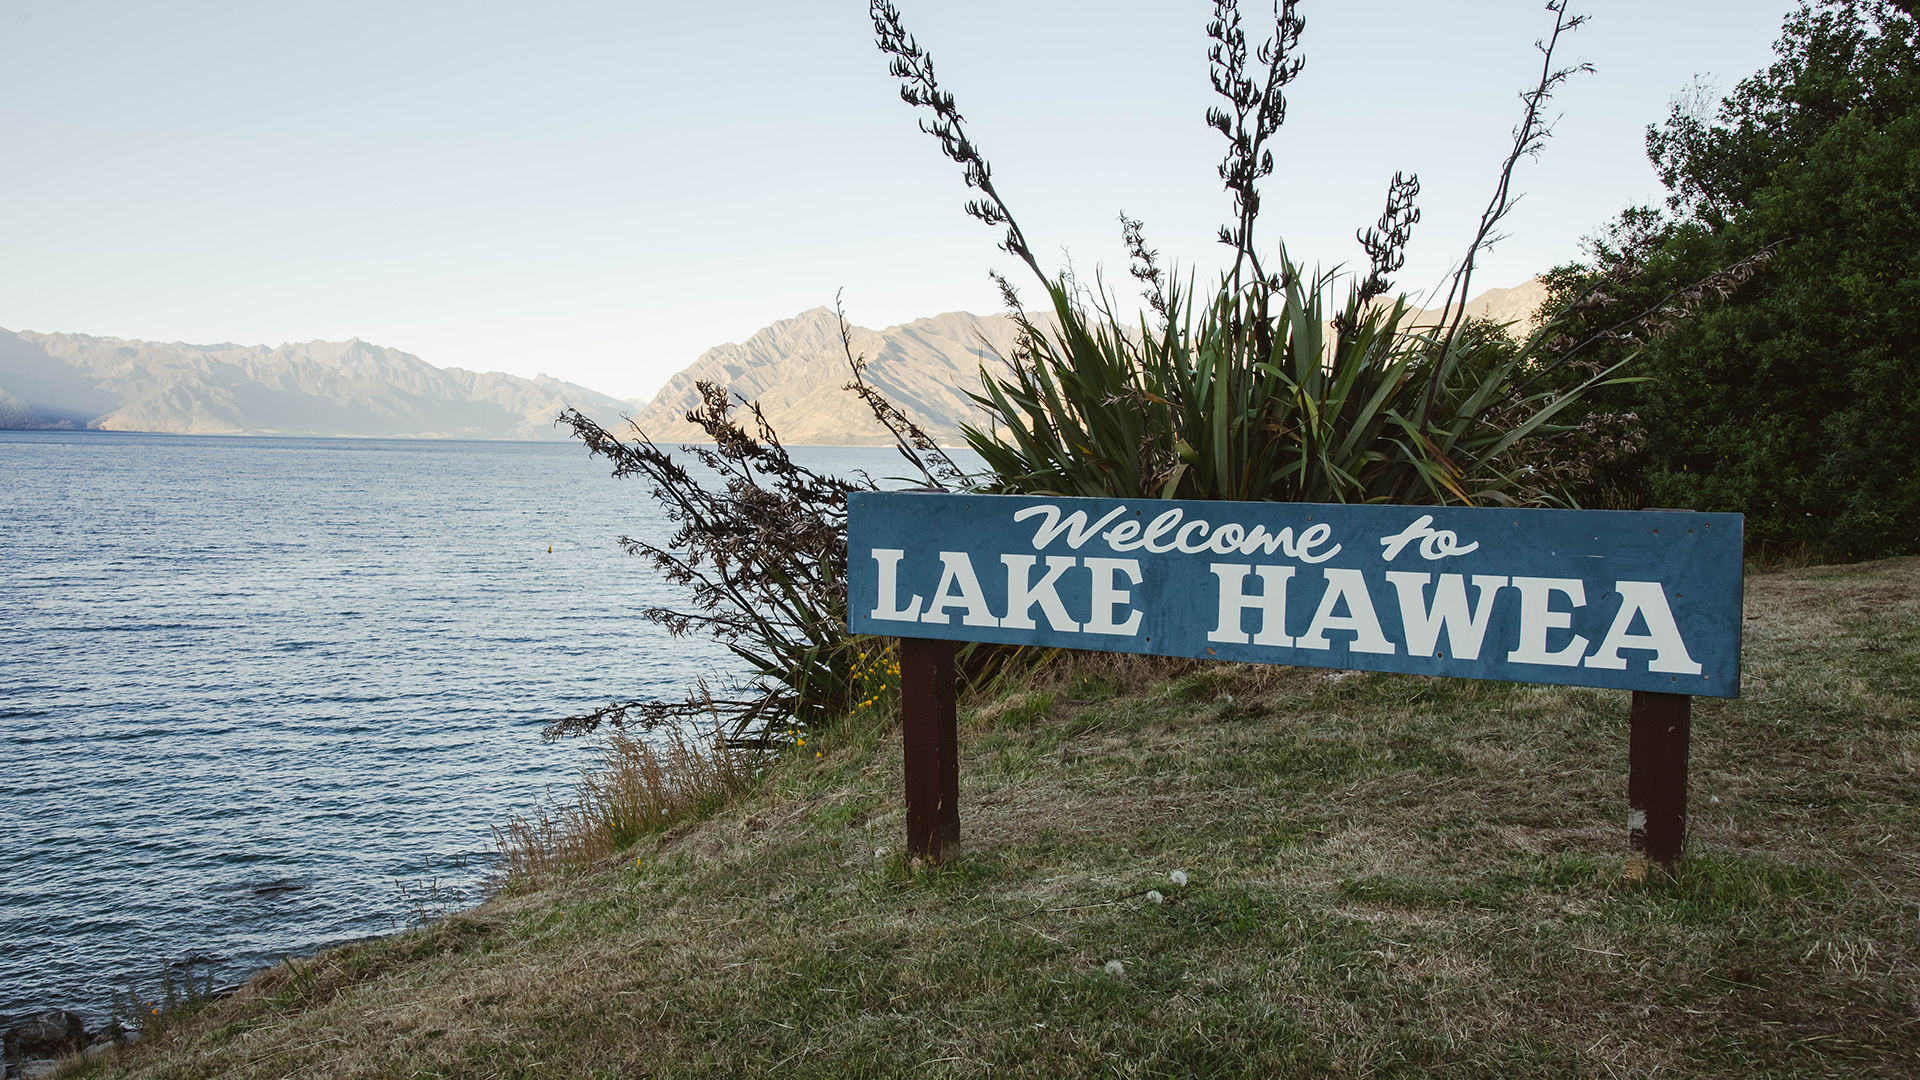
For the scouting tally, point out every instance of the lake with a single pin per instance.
(252, 689)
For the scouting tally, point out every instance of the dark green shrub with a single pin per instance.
(1795, 397)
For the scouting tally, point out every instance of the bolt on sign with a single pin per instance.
(1633, 600)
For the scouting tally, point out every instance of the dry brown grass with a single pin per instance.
(1389, 876)
(640, 786)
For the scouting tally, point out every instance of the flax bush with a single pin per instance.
(1286, 384)
(1306, 408)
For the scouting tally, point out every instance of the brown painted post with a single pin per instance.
(1657, 775)
(932, 746)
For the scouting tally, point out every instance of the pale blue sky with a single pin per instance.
(601, 191)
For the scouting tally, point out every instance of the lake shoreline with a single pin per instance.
(1380, 872)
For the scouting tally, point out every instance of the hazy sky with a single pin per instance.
(602, 191)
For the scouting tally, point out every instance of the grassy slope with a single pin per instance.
(1389, 876)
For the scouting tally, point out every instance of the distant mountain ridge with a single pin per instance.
(1515, 306)
(795, 368)
(318, 388)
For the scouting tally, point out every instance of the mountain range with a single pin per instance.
(350, 388)
(796, 368)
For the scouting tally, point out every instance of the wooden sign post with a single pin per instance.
(932, 746)
(1640, 602)
(1657, 775)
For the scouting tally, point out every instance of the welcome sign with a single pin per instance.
(1632, 600)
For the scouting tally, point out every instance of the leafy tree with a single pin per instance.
(1795, 397)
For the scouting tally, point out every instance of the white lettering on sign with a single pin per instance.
(1021, 597)
(957, 572)
(1159, 527)
(1167, 533)
(1434, 543)
(1271, 603)
(888, 608)
(1258, 540)
(1313, 537)
(1537, 617)
(960, 589)
(1649, 600)
(1465, 629)
(1227, 539)
(1106, 596)
(1429, 609)
(1350, 587)
(1075, 525)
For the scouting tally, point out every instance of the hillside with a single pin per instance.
(1515, 306)
(1385, 876)
(315, 388)
(797, 369)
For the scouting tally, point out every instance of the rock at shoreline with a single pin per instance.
(47, 1034)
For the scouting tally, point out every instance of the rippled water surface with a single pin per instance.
(250, 687)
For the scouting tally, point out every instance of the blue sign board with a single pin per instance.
(1630, 600)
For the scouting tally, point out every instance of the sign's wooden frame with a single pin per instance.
(1657, 748)
(1658, 740)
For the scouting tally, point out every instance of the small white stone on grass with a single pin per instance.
(1179, 877)
(1116, 969)
(879, 853)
